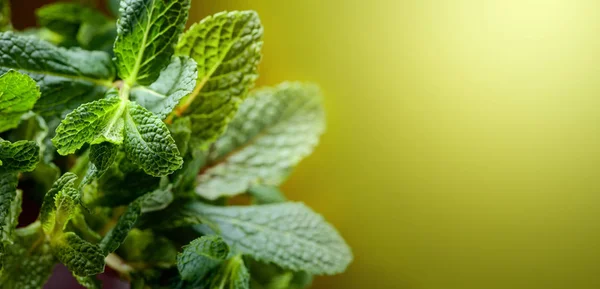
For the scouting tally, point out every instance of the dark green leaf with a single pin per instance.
(81, 257)
(202, 256)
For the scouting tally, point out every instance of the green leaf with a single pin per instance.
(158, 199)
(115, 237)
(146, 247)
(18, 94)
(147, 33)
(290, 235)
(66, 77)
(181, 131)
(10, 208)
(266, 195)
(274, 129)
(175, 82)
(48, 210)
(28, 262)
(21, 156)
(148, 142)
(81, 257)
(201, 256)
(102, 156)
(232, 275)
(94, 122)
(67, 18)
(66, 202)
(89, 282)
(5, 23)
(227, 48)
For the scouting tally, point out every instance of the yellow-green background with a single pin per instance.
(463, 142)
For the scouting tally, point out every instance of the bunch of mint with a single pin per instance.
(136, 138)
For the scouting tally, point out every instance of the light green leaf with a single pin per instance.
(94, 122)
(115, 237)
(18, 94)
(147, 33)
(21, 156)
(175, 82)
(81, 257)
(66, 77)
(266, 194)
(226, 47)
(28, 262)
(201, 256)
(66, 202)
(148, 142)
(274, 129)
(290, 235)
(48, 210)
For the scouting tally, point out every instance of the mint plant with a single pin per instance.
(149, 152)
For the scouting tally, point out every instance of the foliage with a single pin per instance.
(134, 135)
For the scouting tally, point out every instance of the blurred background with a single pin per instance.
(463, 143)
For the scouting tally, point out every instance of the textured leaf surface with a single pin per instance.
(66, 202)
(21, 156)
(48, 210)
(117, 235)
(201, 256)
(148, 142)
(81, 257)
(289, 234)
(10, 207)
(232, 275)
(28, 263)
(18, 94)
(274, 129)
(226, 47)
(93, 123)
(102, 156)
(66, 77)
(147, 33)
(175, 82)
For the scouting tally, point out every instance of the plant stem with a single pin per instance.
(116, 263)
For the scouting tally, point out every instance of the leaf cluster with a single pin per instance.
(137, 136)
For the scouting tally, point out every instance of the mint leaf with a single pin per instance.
(158, 199)
(181, 131)
(94, 122)
(175, 82)
(226, 47)
(18, 94)
(89, 282)
(290, 235)
(5, 23)
(66, 202)
(28, 262)
(115, 237)
(102, 156)
(232, 275)
(67, 18)
(21, 156)
(148, 142)
(48, 210)
(201, 256)
(147, 33)
(10, 208)
(81, 257)
(266, 195)
(66, 77)
(274, 129)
